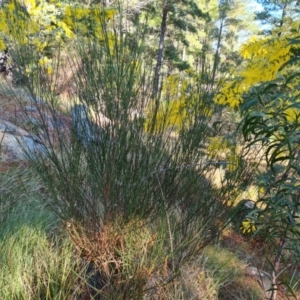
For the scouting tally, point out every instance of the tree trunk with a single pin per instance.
(282, 17)
(156, 87)
(160, 52)
(217, 54)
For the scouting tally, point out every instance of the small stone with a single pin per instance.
(250, 204)
(262, 277)
(30, 108)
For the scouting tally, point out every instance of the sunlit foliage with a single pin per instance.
(45, 26)
(263, 58)
(181, 99)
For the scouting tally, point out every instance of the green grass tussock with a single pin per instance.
(36, 262)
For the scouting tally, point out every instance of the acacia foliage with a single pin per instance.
(46, 26)
(265, 90)
(263, 59)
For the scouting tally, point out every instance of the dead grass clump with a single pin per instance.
(241, 288)
(122, 256)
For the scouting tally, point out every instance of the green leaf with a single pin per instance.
(292, 61)
(248, 104)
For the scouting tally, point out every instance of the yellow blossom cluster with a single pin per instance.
(43, 24)
(180, 104)
(220, 147)
(216, 145)
(231, 94)
(292, 114)
(46, 63)
(263, 58)
(86, 21)
(14, 23)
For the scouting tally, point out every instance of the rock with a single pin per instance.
(16, 143)
(82, 126)
(262, 277)
(47, 123)
(34, 121)
(249, 204)
(8, 127)
(35, 100)
(86, 130)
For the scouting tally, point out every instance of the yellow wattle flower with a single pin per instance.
(2, 45)
(263, 58)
